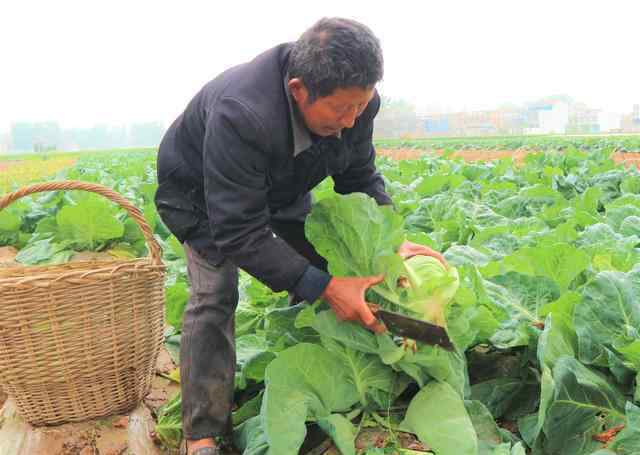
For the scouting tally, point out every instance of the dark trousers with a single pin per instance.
(207, 351)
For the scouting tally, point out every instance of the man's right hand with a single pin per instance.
(345, 295)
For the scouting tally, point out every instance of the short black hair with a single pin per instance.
(336, 53)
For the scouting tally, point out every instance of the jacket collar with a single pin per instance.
(301, 135)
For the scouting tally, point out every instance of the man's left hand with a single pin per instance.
(410, 249)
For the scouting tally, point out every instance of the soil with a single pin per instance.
(4, 165)
(8, 256)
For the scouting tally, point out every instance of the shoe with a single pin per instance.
(201, 451)
(208, 451)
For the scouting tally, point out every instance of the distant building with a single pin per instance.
(558, 114)
(609, 122)
(5, 141)
(548, 115)
(630, 123)
(477, 123)
(583, 119)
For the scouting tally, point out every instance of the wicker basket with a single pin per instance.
(80, 340)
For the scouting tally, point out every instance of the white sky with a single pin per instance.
(86, 62)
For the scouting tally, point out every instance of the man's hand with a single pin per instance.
(345, 295)
(410, 249)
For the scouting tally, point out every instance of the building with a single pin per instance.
(558, 114)
(583, 119)
(609, 122)
(5, 141)
(630, 123)
(507, 120)
(549, 115)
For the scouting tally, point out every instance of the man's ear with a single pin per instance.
(298, 91)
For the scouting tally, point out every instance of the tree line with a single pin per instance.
(39, 136)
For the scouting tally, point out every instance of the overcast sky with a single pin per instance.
(86, 62)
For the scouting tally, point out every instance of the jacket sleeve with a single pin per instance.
(235, 166)
(361, 175)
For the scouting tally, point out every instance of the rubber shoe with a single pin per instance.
(201, 451)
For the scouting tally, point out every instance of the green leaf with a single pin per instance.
(304, 382)
(350, 334)
(609, 316)
(44, 251)
(627, 442)
(582, 399)
(248, 410)
(438, 417)
(497, 394)
(89, 222)
(306, 317)
(442, 365)
(341, 431)
(358, 237)
(176, 297)
(372, 378)
(9, 222)
(169, 426)
(250, 437)
(252, 357)
(610, 250)
(553, 343)
(560, 262)
(388, 350)
(280, 327)
(489, 436)
(531, 426)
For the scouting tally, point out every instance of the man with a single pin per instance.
(235, 171)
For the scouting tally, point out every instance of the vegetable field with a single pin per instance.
(541, 300)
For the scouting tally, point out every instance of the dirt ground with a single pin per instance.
(4, 165)
(629, 159)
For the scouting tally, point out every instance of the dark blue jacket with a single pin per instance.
(226, 168)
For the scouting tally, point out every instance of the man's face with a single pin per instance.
(328, 115)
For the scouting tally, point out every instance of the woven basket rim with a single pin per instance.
(75, 273)
(101, 264)
(154, 249)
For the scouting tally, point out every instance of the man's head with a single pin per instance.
(333, 69)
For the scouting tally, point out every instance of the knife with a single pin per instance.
(407, 327)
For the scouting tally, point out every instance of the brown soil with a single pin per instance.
(8, 256)
(376, 438)
(628, 159)
(4, 165)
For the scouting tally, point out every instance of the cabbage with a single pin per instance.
(432, 287)
(360, 238)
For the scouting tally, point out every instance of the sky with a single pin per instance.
(115, 62)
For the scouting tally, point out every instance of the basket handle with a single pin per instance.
(154, 248)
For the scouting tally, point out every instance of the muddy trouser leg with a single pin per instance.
(207, 348)
(292, 232)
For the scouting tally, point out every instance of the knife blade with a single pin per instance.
(418, 330)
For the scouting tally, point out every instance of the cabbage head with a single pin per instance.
(360, 238)
(431, 288)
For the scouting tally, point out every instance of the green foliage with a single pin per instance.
(544, 319)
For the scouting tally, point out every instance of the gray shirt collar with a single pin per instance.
(301, 137)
